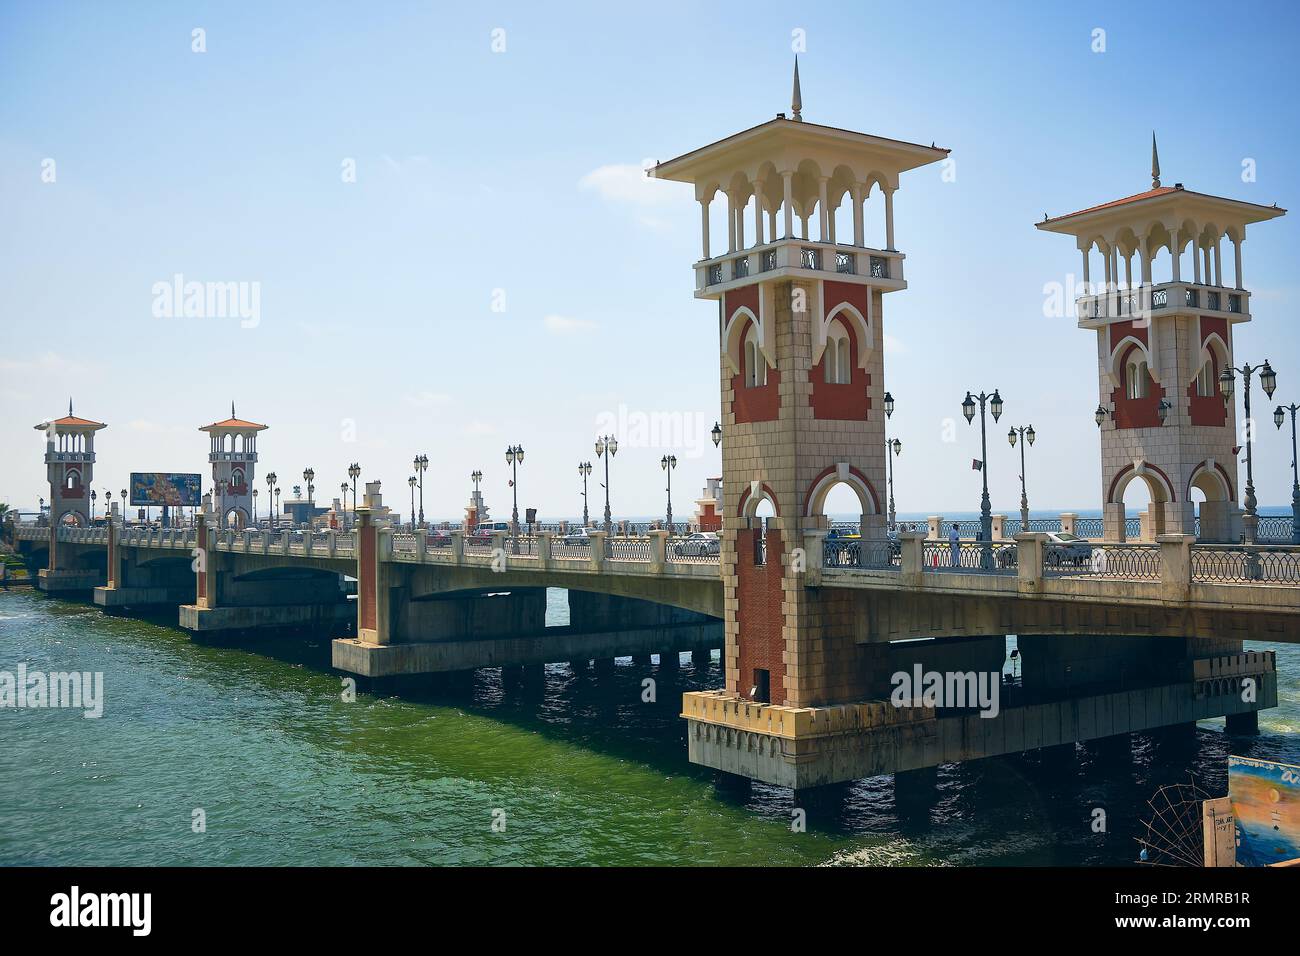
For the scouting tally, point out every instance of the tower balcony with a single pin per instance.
(799, 259)
(1165, 298)
(242, 457)
(70, 457)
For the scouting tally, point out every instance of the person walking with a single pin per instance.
(954, 546)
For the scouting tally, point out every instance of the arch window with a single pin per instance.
(837, 362)
(1207, 379)
(1137, 377)
(755, 364)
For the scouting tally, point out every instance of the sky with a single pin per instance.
(441, 212)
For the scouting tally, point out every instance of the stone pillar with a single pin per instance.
(658, 551)
(544, 541)
(1067, 522)
(1112, 521)
(1029, 561)
(814, 544)
(205, 564)
(373, 568)
(670, 660)
(999, 527)
(457, 547)
(1175, 566)
(599, 548)
(701, 657)
(889, 219)
(113, 578)
(935, 523)
(1243, 724)
(910, 560)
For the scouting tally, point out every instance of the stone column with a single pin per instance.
(935, 523)
(1029, 561)
(1175, 566)
(658, 551)
(1112, 521)
(458, 547)
(373, 568)
(544, 541)
(910, 557)
(823, 225)
(113, 577)
(1068, 519)
(787, 177)
(205, 565)
(599, 548)
(889, 219)
(999, 527)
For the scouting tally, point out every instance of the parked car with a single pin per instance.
(578, 536)
(439, 538)
(1064, 548)
(699, 544)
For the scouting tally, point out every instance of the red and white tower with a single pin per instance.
(233, 455)
(1164, 336)
(802, 377)
(69, 467)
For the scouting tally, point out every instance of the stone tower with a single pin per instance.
(233, 456)
(70, 468)
(1164, 336)
(800, 352)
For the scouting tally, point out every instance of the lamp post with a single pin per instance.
(108, 504)
(123, 500)
(1026, 435)
(277, 504)
(354, 472)
(309, 475)
(610, 443)
(411, 481)
(896, 446)
(1279, 416)
(254, 506)
(270, 491)
(343, 490)
(93, 496)
(668, 463)
(717, 434)
(1268, 380)
(514, 458)
(421, 466)
(994, 404)
(584, 469)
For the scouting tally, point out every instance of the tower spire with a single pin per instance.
(796, 98)
(1155, 163)
(232, 408)
(69, 406)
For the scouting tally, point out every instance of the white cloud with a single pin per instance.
(564, 325)
(624, 182)
(428, 399)
(47, 363)
(479, 428)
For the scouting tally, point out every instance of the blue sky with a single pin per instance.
(486, 177)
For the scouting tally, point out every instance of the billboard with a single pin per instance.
(157, 488)
(1265, 798)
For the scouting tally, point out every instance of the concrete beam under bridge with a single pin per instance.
(551, 645)
(237, 618)
(111, 598)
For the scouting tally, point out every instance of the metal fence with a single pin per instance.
(1240, 564)
(868, 553)
(969, 556)
(629, 549)
(684, 551)
(1138, 562)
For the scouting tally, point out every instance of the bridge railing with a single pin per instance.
(992, 557)
(1133, 562)
(1241, 564)
(629, 549)
(877, 553)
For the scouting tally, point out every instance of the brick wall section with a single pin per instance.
(760, 614)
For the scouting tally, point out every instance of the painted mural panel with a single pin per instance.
(1265, 798)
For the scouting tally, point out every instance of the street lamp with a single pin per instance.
(411, 481)
(514, 458)
(1099, 415)
(255, 507)
(896, 447)
(1162, 411)
(93, 496)
(421, 466)
(123, 500)
(584, 469)
(611, 443)
(717, 434)
(1027, 438)
(668, 463)
(354, 472)
(994, 404)
(1267, 379)
(343, 490)
(108, 504)
(309, 475)
(1279, 416)
(889, 405)
(272, 490)
(277, 504)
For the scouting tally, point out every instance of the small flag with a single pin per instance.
(976, 464)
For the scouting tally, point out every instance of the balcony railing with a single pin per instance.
(1129, 303)
(792, 253)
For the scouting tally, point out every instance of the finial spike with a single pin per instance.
(232, 408)
(1155, 163)
(796, 98)
(69, 406)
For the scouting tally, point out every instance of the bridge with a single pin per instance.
(1142, 627)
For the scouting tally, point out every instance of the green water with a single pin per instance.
(583, 771)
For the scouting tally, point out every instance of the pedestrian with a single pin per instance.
(954, 546)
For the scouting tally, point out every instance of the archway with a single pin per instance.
(1210, 494)
(1137, 510)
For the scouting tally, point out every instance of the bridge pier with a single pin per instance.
(1243, 724)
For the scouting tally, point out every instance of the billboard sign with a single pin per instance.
(158, 488)
(1265, 798)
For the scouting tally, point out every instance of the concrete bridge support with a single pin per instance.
(133, 580)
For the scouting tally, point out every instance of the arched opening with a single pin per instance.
(1137, 374)
(73, 519)
(1137, 508)
(233, 520)
(1212, 503)
(837, 366)
(755, 364)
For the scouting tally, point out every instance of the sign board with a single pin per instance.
(158, 488)
(1265, 797)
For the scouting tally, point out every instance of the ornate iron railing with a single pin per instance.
(1088, 527)
(1212, 300)
(1192, 297)
(740, 267)
(767, 262)
(1274, 528)
(810, 258)
(1159, 298)
(844, 262)
(714, 274)
(871, 553)
(684, 551)
(968, 557)
(879, 267)
(1234, 302)
(1135, 562)
(629, 549)
(1241, 564)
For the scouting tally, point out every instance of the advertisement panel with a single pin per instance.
(158, 488)
(1265, 798)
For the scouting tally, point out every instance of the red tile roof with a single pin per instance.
(74, 420)
(232, 423)
(1149, 194)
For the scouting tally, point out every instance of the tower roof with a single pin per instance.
(233, 424)
(794, 140)
(71, 422)
(1173, 202)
